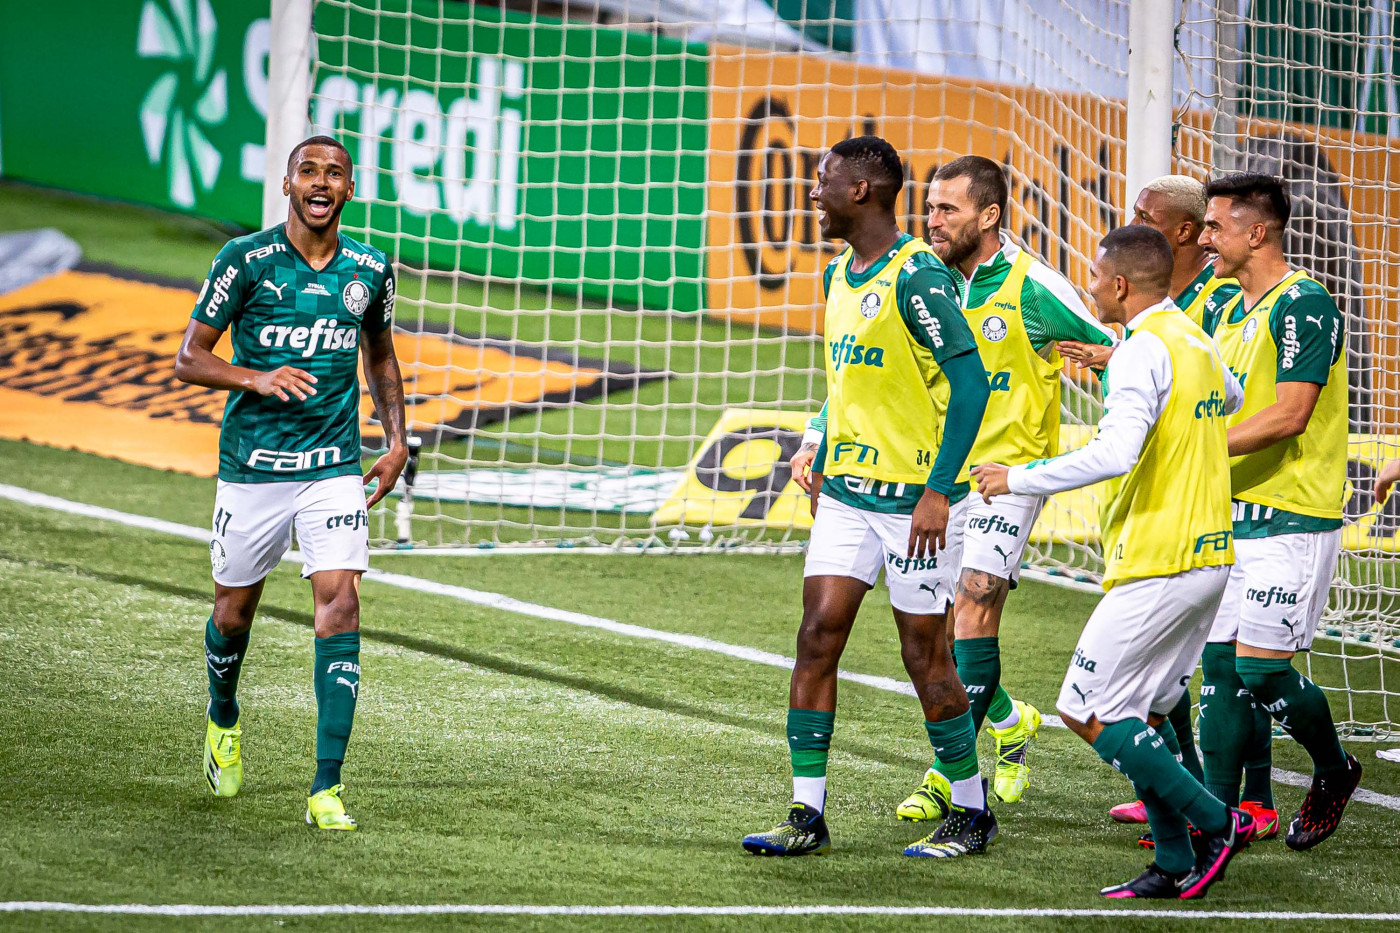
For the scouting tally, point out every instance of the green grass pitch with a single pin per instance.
(504, 759)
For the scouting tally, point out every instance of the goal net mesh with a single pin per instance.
(609, 301)
(1307, 89)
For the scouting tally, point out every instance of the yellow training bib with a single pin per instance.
(1171, 512)
(1195, 309)
(886, 396)
(1306, 474)
(1022, 422)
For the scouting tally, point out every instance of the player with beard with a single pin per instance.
(1018, 308)
(908, 390)
(304, 304)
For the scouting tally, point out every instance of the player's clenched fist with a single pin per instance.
(801, 465)
(991, 480)
(285, 379)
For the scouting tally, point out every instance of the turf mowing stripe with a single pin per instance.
(659, 910)
(510, 604)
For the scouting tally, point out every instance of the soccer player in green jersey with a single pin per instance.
(1285, 339)
(907, 393)
(304, 303)
(1017, 308)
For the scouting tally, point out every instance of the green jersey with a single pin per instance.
(1305, 354)
(282, 312)
(1215, 301)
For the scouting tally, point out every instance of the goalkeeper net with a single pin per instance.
(609, 302)
(609, 268)
(1307, 89)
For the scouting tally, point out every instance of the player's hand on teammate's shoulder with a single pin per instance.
(801, 465)
(284, 380)
(386, 471)
(928, 531)
(991, 479)
(1088, 355)
(1386, 479)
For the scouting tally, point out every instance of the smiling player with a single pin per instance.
(304, 303)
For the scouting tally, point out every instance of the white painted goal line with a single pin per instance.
(661, 910)
(515, 606)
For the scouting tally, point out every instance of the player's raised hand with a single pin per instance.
(801, 464)
(1088, 355)
(1386, 479)
(928, 531)
(991, 480)
(284, 380)
(386, 470)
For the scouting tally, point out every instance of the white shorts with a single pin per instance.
(1141, 645)
(253, 527)
(996, 533)
(851, 542)
(1278, 590)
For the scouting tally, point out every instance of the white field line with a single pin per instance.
(510, 604)
(660, 910)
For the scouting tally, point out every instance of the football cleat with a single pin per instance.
(1133, 812)
(325, 810)
(1214, 853)
(964, 832)
(1147, 842)
(1012, 777)
(1265, 820)
(223, 759)
(802, 833)
(1322, 807)
(930, 802)
(1153, 883)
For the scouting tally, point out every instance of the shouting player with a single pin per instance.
(1284, 338)
(1017, 308)
(304, 303)
(907, 393)
(1175, 206)
(1166, 539)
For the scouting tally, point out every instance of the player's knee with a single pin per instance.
(339, 613)
(233, 617)
(1266, 687)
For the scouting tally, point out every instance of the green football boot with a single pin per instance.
(802, 833)
(325, 810)
(1012, 775)
(930, 802)
(223, 759)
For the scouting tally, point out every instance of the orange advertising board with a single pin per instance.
(87, 362)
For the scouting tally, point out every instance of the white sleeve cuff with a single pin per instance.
(812, 436)
(1014, 479)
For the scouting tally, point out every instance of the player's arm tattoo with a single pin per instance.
(385, 384)
(982, 588)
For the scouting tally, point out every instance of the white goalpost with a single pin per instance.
(608, 309)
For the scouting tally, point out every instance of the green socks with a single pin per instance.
(1180, 721)
(1259, 760)
(1171, 836)
(1300, 707)
(337, 682)
(1227, 722)
(1137, 750)
(954, 743)
(979, 668)
(223, 658)
(809, 743)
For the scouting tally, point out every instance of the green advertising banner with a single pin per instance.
(521, 147)
(161, 102)
(493, 142)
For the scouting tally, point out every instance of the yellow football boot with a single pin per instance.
(325, 810)
(1012, 775)
(223, 759)
(930, 802)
